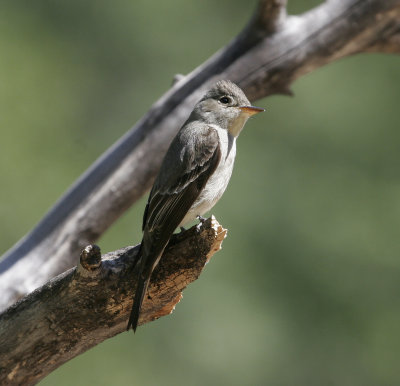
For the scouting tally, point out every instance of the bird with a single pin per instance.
(193, 175)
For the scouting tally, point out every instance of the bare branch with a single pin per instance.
(86, 305)
(270, 53)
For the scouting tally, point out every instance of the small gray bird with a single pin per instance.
(193, 176)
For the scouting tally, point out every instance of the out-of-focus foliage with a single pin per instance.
(306, 289)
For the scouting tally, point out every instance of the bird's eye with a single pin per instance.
(225, 100)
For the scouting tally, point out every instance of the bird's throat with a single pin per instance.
(237, 125)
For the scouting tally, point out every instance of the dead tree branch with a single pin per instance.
(86, 305)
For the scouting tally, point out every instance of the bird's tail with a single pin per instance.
(137, 303)
(149, 258)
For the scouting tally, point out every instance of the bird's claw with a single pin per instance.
(201, 218)
(200, 224)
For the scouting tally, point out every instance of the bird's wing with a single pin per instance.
(190, 161)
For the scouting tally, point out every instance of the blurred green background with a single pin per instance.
(306, 290)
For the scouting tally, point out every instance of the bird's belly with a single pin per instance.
(214, 189)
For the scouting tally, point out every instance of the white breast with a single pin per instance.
(219, 180)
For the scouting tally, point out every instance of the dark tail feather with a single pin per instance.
(137, 303)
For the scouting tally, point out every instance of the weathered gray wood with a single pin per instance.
(86, 305)
(271, 52)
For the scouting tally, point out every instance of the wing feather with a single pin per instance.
(199, 157)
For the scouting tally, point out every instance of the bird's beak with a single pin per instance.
(251, 110)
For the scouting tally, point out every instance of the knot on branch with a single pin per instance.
(177, 78)
(90, 258)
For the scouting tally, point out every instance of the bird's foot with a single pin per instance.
(201, 218)
(200, 224)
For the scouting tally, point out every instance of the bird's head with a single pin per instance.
(225, 105)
